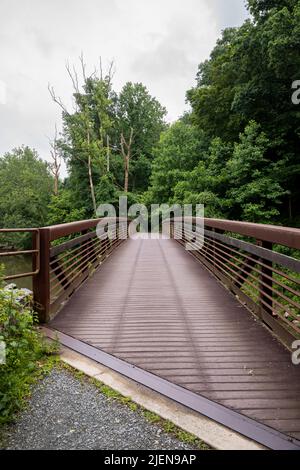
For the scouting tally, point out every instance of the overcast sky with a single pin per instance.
(157, 42)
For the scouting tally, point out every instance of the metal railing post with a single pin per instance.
(266, 283)
(41, 282)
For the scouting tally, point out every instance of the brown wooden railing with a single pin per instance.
(70, 253)
(34, 252)
(259, 263)
(246, 258)
(63, 257)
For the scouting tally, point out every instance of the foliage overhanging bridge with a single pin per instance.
(212, 329)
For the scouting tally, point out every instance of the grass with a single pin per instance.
(27, 355)
(43, 368)
(153, 418)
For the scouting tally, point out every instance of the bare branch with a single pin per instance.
(73, 77)
(127, 156)
(131, 137)
(76, 77)
(83, 67)
(57, 99)
(100, 66)
(55, 165)
(111, 72)
(107, 154)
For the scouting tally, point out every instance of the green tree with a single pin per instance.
(85, 140)
(25, 190)
(262, 8)
(106, 190)
(255, 193)
(178, 151)
(208, 182)
(249, 77)
(106, 137)
(141, 117)
(61, 209)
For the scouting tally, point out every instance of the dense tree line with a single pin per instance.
(248, 128)
(107, 142)
(236, 151)
(25, 193)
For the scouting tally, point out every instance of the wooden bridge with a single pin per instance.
(211, 328)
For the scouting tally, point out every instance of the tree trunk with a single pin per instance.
(108, 154)
(55, 165)
(126, 174)
(91, 177)
(56, 184)
(126, 155)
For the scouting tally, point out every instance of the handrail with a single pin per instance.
(286, 236)
(244, 266)
(34, 251)
(68, 264)
(63, 230)
(264, 280)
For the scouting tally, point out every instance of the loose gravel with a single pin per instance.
(67, 413)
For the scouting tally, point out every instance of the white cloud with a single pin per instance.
(157, 42)
(2, 93)
(228, 12)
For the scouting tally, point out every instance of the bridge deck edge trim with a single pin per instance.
(247, 427)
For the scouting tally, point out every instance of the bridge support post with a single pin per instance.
(41, 282)
(266, 283)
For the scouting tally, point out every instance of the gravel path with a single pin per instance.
(66, 413)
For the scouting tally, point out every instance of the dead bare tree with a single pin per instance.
(87, 119)
(73, 76)
(107, 154)
(57, 99)
(92, 188)
(126, 153)
(110, 72)
(55, 164)
(75, 82)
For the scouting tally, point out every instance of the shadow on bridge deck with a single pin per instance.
(153, 305)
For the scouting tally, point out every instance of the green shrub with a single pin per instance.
(25, 352)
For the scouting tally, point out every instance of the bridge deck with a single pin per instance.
(154, 306)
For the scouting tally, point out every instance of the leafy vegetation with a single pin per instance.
(236, 151)
(107, 141)
(25, 192)
(243, 98)
(27, 355)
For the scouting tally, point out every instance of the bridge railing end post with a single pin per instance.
(41, 282)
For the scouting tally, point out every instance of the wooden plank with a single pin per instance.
(155, 307)
(246, 426)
